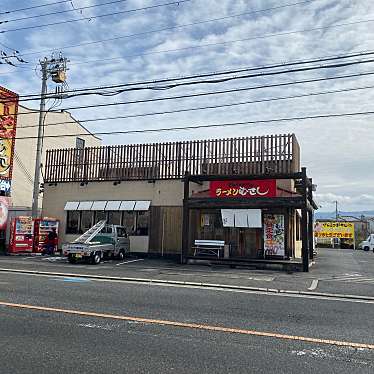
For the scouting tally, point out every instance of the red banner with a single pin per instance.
(8, 123)
(243, 189)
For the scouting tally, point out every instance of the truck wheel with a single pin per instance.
(72, 259)
(366, 249)
(96, 258)
(121, 255)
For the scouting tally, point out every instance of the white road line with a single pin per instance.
(362, 280)
(208, 287)
(127, 262)
(345, 279)
(314, 285)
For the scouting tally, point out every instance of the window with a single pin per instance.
(114, 218)
(106, 230)
(86, 220)
(80, 143)
(128, 221)
(142, 223)
(121, 232)
(72, 222)
(99, 216)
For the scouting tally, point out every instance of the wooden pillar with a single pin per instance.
(186, 218)
(310, 220)
(304, 223)
(310, 234)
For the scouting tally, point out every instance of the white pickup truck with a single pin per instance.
(100, 241)
(368, 244)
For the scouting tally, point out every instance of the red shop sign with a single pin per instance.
(243, 189)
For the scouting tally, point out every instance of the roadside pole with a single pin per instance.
(56, 69)
(42, 114)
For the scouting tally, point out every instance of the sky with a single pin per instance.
(338, 152)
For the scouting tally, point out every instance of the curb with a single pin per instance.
(193, 284)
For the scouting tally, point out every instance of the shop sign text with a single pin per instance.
(342, 230)
(243, 189)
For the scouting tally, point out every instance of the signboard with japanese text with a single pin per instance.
(274, 235)
(8, 123)
(341, 230)
(243, 189)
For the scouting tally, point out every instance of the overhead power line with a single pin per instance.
(34, 7)
(282, 64)
(209, 93)
(61, 11)
(9, 48)
(214, 125)
(207, 81)
(169, 28)
(94, 17)
(183, 110)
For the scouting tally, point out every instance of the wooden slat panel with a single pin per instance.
(254, 155)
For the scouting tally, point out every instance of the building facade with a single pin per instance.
(18, 140)
(247, 194)
(56, 125)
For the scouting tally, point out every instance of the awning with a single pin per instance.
(127, 205)
(113, 205)
(85, 205)
(99, 205)
(109, 205)
(71, 205)
(142, 205)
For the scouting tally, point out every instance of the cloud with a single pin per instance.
(337, 152)
(326, 201)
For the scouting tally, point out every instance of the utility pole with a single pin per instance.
(55, 68)
(336, 210)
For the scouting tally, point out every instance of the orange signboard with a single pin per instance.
(8, 123)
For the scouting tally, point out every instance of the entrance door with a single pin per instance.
(244, 242)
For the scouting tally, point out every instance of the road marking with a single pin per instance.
(351, 279)
(73, 280)
(202, 286)
(127, 262)
(195, 326)
(314, 285)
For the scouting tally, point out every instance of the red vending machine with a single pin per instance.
(42, 227)
(21, 235)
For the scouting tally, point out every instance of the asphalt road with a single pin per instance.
(337, 271)
(109, 336)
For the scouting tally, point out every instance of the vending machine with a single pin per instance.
(42, 227)
(21, 234)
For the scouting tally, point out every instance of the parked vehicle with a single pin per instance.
(100, 241)
(368, 244)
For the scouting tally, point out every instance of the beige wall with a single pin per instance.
(160, 193)
(25, 149)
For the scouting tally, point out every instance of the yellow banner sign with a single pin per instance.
(342, 230)
(8, 122)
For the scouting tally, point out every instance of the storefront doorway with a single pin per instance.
(241, 242)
